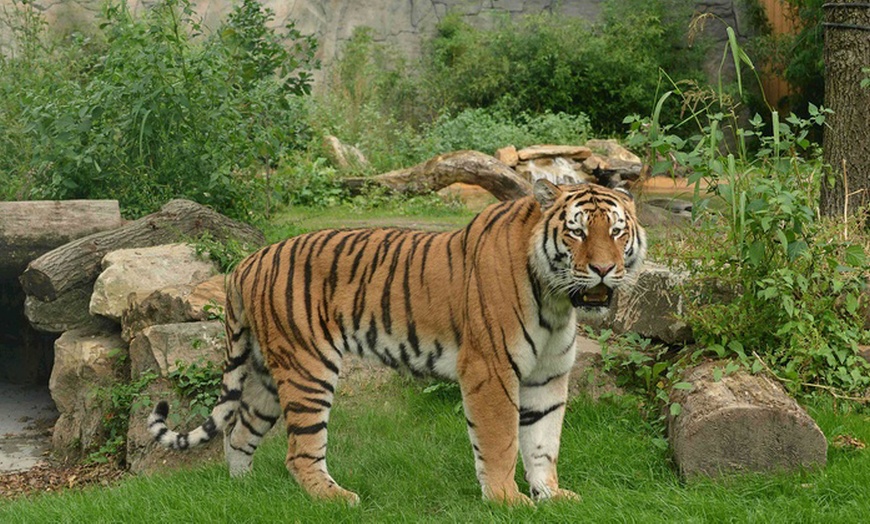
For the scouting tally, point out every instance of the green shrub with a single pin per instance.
(794, 280)
(563, 65)
(162, 112)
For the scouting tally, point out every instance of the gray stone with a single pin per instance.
(160, 348)
(172, 305)
(588, 376)
(84, 364)
(740, 423)
(141, 271)
(651, 307)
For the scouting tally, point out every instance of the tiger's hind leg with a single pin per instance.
(306, 381)
(258, 411)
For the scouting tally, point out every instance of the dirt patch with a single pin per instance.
(52, 478)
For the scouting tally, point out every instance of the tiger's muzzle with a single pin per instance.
(594, 297)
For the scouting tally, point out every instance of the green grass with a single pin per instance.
(378, 211)
(407, 455)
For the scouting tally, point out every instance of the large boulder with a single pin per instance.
(84, 368)
(172, 305)
(651, 307)
(738, 422)
(159, 350)
(141, 271)
(588, 376)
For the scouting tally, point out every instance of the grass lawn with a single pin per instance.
(407, 455)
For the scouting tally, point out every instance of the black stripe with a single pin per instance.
(306, 430)
(529, 417)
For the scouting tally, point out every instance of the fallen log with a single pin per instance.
(739, 422)
(468, 167)
(78, 262)
(29, 229)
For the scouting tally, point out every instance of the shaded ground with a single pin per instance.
(27, 414)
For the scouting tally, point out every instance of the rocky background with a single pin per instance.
(403, 24)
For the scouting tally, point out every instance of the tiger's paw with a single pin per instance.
(508, 497)
(546, 493)
(565, 494)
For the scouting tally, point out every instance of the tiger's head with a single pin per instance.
(588, 242)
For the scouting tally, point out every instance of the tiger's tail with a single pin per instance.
(235, 371)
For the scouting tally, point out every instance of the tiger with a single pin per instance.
(493, 306)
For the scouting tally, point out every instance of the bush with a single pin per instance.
(796, 281)
(562, 65)
(159, 111)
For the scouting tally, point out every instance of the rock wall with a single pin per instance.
(404, 24)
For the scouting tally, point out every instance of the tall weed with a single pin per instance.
(792, 283)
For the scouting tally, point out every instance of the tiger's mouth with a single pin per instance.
(598, 296)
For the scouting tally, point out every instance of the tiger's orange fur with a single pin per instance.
(491, 305)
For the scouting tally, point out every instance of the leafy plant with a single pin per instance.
(121, 398)
(226, 253)
(794, 282)
(550, 63)
(199, 383)
(149, 109)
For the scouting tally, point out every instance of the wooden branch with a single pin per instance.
(33, 228)
(78, 262)
(468, 167)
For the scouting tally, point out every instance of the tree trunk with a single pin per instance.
(468, 167)
(739, 422)
(78, 262)
(847, 137)
(30, 229)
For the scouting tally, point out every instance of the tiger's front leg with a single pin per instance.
(491, 400)
(543, 396)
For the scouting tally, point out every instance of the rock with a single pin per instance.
(171, 305)
(651, 307)
(613, 151)
(588, 376)
(141, 271)
(83, 364)
(674, 205)
(508, 156)
(159, 348)
(475, 198)
(740, 423)
(541, 151)
(652, 217)
(343, 156)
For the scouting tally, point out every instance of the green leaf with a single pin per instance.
(855, 255)
(717, 374)
(851, 303)
(676, 409)
(687, 386)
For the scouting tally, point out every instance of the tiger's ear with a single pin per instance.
(546, 193)
(624, 191)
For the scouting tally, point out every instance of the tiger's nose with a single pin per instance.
(601, 269)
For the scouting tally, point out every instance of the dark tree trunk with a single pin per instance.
(847, 138)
